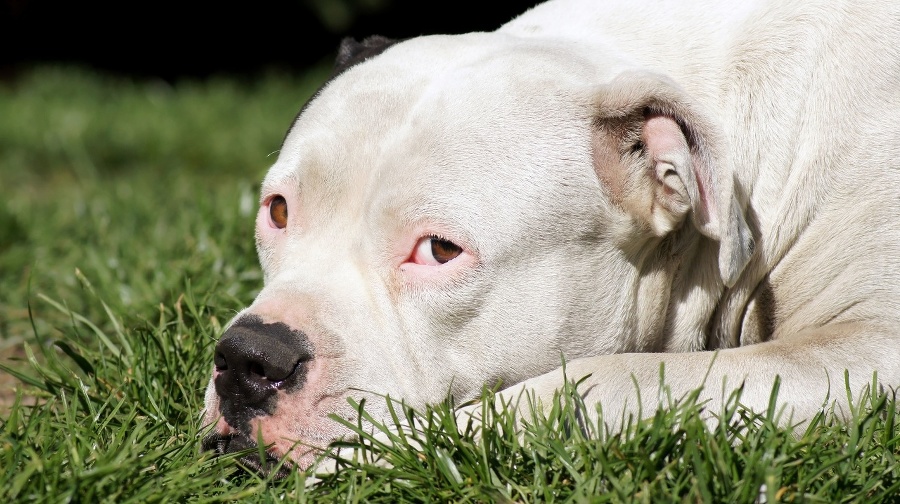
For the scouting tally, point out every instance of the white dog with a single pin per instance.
(613, 184)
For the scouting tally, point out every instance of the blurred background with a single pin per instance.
(176, 39)
(133, 138)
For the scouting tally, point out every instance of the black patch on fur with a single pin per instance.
(351, 52)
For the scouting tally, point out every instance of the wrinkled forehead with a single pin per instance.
(435, 128)
(454, 89)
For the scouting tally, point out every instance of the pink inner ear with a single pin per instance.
(663, 137)
(666, 142)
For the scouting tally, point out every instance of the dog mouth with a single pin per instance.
(260, 462)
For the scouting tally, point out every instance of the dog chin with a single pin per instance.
(281, 455)
(268, 465)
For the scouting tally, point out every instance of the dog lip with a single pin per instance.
(210, 442)
(272, 466)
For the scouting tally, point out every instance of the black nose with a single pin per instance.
(254, 361)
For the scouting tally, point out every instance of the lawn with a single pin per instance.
(126, 242)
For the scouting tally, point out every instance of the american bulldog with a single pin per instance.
(714, 186)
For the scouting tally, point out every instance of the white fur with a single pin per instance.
(770, 232)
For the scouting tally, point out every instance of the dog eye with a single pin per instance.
(278, 211)
(434, 251)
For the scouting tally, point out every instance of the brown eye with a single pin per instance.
(278, 211)
(443, 250)
(434, 251)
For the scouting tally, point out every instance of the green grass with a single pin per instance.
(126, 243)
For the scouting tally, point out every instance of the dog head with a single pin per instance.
(459, 212)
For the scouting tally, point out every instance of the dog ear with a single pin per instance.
(661, 160)
(352, 52)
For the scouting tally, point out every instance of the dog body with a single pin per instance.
(612, 184)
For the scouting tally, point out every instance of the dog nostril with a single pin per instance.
(272, 373)
(256, 369)
(220, 362)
